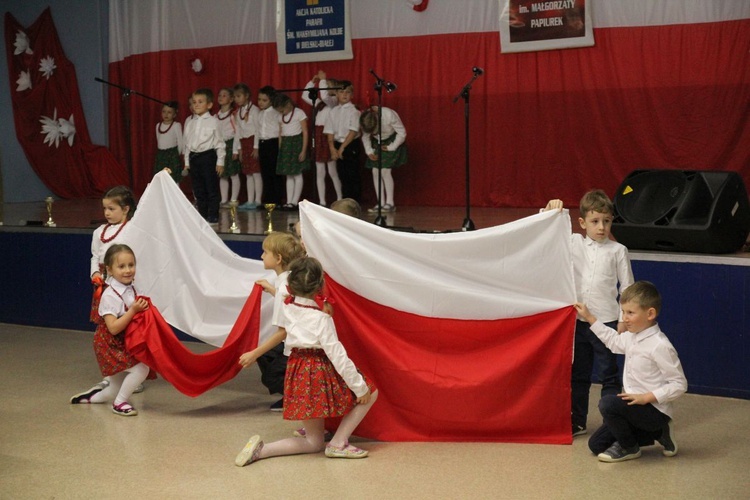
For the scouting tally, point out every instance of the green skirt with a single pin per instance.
(391, 159)
(231, 167)
(288, 162)
(169, 158)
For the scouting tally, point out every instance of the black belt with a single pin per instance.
(194, 154)
(261, 141)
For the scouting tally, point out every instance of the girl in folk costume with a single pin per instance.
(322, 151)
(169, 142)
(247, 126)
(119, 206)
(228, 130)
(119, 304)
(293, 142)
(391, 148)
(321, 381)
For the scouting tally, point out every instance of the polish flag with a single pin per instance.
(468, 336)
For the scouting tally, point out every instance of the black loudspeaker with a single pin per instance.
(682, 211)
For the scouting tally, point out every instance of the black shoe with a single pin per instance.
(278, 405)
(617, 453)
(85, 397)
(579, 430)
(667, 441)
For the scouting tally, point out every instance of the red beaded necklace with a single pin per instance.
(283, 119)
(218, 115)
(165, 131)
(247, 112)
(107, 240)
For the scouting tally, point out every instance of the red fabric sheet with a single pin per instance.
(151, 340)
(80, 170)
(506, 380)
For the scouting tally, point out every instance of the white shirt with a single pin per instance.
(111, 303)
(227, 125)
(341, 120)
(171, 138)
(598, 268)
(651, 363)
(329, 100)
(295, 119)
(98, 248)
(277, 319)
(247, 124)
(312, 328)
(391, 124)
(268, 125)
(201, 134)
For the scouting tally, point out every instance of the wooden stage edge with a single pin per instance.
(84, 215)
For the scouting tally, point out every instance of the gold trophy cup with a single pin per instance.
(234, 228)
(269, 210)
(49, 201)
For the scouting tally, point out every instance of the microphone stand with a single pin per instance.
(389, 87)
(468, 224)
(312, 93)
(125, 99)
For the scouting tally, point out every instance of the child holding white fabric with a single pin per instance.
(279, 250)
(119, 304)
(321, 380)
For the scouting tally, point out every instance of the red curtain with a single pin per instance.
(77, 170)
(543, 124)
(151, 340)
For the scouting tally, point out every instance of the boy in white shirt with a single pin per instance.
(342, 130)
(652, 378)
(205, 151)
(599, 264)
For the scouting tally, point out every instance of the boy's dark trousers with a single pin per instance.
(206, 184)
(273, 369)
(588, 350)
(348, 169)
(273, 184)
(629, 425)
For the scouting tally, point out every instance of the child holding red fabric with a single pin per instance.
(321, 381)
(279, 250)
(119, 304)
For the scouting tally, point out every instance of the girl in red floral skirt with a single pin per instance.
(321, 381)
(119, 304)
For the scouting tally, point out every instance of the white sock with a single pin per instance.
(320, 181)
(235, 187)
(224, 188)
(298, 184)
(333, 171)
(313, 442)
(350, 422)
(134, 376)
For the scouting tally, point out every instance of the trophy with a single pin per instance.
(269, 210)
(234, 228)
(49, 201)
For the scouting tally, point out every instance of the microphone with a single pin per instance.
(477, 70)
(390, 87)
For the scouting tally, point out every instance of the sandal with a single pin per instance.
(347, 451)
(250, 453)
(85, 397)
(124, 409)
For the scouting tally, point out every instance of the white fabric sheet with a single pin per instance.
(517, 269)
(197, 283)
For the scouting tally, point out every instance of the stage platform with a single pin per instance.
(706, 311)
